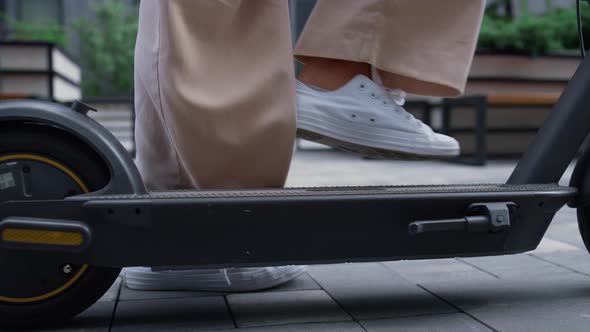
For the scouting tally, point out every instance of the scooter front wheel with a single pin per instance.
(584, 224)
(40, 290)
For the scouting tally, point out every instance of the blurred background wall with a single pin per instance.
(80, 28)
(527, 51)
(54, 12)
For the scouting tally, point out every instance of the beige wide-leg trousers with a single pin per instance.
(214, 79)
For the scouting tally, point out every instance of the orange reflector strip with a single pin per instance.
(34, 236)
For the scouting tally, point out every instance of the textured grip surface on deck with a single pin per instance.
(338, 191)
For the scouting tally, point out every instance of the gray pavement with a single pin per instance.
(544, 290)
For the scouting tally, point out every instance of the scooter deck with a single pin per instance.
(291, 226)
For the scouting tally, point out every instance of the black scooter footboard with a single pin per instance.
(295, 226)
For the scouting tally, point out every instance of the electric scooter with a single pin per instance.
(74, 211)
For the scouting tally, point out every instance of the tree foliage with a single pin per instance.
(107, 45)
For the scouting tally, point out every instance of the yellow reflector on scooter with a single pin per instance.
(34, 236)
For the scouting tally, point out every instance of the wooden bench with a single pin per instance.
(480, 105)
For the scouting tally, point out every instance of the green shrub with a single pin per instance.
(555, 31)
(52, 33)
(107, 44)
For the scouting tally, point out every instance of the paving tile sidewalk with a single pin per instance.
(544, 290)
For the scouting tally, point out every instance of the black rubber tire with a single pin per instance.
(584, 225)
(90, 168)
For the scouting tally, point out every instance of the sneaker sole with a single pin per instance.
(319, 129)
(211, 280)
(365, 151)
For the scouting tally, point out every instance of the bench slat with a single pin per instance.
(522, 99)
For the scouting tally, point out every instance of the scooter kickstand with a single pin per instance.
(481, 217)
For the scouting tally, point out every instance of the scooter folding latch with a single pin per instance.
(498, 214)
(481, 217)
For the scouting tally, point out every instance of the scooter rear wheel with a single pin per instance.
(42, 291)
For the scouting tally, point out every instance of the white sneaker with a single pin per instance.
(219, 280)
(367, 118)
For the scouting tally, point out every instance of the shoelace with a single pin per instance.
(397, 96)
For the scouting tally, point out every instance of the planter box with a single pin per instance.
(38, 70)
(556, 67)
(520, 74)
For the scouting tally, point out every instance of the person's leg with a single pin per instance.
(220, 76)
(422, 47)
(331, 74)
(215, 108)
